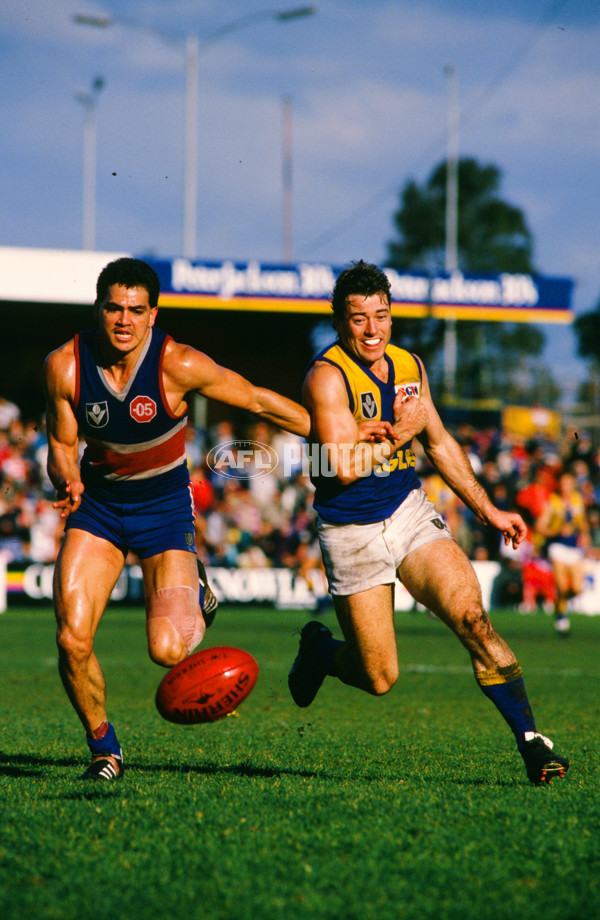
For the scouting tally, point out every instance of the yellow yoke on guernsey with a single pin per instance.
(375, 496)
(567, 520)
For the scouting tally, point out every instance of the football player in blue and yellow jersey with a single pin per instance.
(376, 523)
(564, 526)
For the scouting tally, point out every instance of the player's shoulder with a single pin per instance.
(186, 367)
(60, 369)
(327, 363)
(402, 354)
(321, 370)
(62, 358)
(323, 382)
(180, 354)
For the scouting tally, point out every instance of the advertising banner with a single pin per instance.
(306, 287)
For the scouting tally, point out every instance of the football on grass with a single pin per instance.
(207, 686)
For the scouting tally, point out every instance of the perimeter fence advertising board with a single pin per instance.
(283, 589)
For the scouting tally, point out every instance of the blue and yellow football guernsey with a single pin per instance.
(376, 496)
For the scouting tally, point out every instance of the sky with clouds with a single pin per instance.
(369, 102)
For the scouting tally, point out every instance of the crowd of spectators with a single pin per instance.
(267, 521)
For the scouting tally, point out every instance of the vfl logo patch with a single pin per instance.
(97, 414)
(142, 409)
(368, 405)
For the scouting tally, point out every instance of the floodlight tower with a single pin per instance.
(89, 100)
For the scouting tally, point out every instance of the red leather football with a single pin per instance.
(207, 686)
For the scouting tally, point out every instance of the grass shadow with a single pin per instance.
(24, 766)
(20, 765)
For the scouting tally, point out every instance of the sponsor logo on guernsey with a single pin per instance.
(96, 414)
(142, 409)
(368, 405)
(408, 389)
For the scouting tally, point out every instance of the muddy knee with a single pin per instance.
(476, 626)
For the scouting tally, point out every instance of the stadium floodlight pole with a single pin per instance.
(194, 46)
(452, 171)
(89, 100)
(451, 253)
(287, 160)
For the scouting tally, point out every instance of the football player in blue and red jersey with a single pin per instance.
(376, 523)
(123, 386)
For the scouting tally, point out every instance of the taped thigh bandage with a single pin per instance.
(179, 606)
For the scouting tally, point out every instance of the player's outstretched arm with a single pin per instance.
(453, 465)
(62, 429)
(187, 369)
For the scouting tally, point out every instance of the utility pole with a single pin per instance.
(287, 180)
(451, 254)
(89, 101)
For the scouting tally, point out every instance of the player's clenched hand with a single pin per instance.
(375, 431)
(69, 497)
(410, 417)
(510, 524)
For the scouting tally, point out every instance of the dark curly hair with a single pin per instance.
(129, 273)
(358, 278)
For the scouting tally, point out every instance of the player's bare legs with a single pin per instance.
(569, 583)
(86, 572)
(366, 659)
(369, 658)
(439, 576)
(174, 622)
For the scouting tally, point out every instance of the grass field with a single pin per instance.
(411, 806)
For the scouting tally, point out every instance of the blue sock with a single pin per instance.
(506, 689)
(107, 744)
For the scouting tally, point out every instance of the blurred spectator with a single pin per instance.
(532, 498)
(9, 413)
(563, 524)
(248, 519)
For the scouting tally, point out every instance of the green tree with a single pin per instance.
(492, 237)
(587, 331)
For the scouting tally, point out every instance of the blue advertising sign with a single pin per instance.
(306, 287)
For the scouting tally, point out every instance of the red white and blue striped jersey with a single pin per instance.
(135, 445)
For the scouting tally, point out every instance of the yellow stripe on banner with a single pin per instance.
(503, 314)
(399, 309)
(259, 304)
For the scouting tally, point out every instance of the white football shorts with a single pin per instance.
(360, 556)
(568, 555)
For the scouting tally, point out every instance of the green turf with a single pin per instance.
(411, 806)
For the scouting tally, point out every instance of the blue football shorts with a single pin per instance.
(144, 527)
